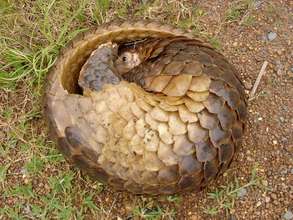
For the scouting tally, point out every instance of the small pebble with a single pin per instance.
(271, 36)
(258, 204)
(274, 196)
(258, 4)
(280, 71)
(247, 85)
(275, 142)
(284, 140)
(27, 209)
(267, 199)
(242, 193)
(194, 217)
(288, 215)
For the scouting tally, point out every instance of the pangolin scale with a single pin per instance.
(169, 124)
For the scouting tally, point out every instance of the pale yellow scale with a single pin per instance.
(146, 129)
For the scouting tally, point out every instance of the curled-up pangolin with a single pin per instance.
(146, 108)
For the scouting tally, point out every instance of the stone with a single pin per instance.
(271, 35)
(258, 4)
(288, 215)
(267, 199)
(258, 204)
(247, 84)
(242, 193)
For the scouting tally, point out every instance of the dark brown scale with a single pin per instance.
(192, 68)
(222, 64)
(116, 182)
(196, 133)
(213, 103)
(226, 151)
(159, 50)
(81, 162)
(213, 71)
(233, 81)
(89, 153)
(186, 182)
(168, 174)
(242, 111)
(189, 165)
(193, 182)
(232, 97)
(205, 151)
(64, 147)
(217, 86)
(98, 173)
(174, 68)
(151, 189)
(217, 134)
(226, 117)
(133, 187)
(210, 170)
(207, 120)
(168, 189)
(237, 130)
(203, 58)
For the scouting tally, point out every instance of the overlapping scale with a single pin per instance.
(174, 130)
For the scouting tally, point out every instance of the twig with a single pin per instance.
(257, 81)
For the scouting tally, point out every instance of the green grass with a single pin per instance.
(248, 20)
(34, 51)
(223, 198)
(238, 10)
(58, 203)
(148, 209)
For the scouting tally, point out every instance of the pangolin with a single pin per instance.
(146, 107)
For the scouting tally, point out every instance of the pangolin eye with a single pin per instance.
(124, 58)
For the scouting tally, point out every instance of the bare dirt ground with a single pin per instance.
(36, 183)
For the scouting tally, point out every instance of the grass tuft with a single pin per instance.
(239, 9)
(22, 58)
(149, 211)
(224, 197)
